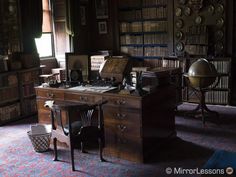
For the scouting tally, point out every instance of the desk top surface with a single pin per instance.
(111, 92)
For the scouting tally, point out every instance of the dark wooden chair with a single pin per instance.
(77, 126)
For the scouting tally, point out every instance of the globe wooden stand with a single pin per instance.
(202, 104)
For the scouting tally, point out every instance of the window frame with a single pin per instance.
(52, 32)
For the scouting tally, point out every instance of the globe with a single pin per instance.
(202, 74)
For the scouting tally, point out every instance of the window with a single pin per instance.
(45, 43)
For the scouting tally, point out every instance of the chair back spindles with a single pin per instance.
(77, 126)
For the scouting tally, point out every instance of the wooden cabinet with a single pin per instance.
(132, 124)
(28, 79)
(17, 94)
(123, 128)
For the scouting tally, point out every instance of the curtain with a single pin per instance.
(31, 20)
(69, 17)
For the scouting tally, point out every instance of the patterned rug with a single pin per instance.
(192, 148)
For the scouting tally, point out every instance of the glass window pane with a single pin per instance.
(44, 45)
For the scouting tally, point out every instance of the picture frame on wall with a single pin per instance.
(101, 7)
(102, 27)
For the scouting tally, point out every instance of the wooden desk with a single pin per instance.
(132, 123)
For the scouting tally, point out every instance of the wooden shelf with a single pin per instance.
(20, 106)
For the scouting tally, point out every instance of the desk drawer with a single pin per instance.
(119, 115)
(84, 98)
(44, 117)
(123, 101)
(124, 128)
(122, 146)
(50, 94)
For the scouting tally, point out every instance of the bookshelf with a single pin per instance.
(220, 94)
(10, 38)
(143, 28)
(10, 98)
(18, 94)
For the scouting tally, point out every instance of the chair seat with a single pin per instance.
(76, 126)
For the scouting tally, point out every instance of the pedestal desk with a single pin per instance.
(133, 124)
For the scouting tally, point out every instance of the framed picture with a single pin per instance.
(76, 62)
(101, 7)
(102, 27)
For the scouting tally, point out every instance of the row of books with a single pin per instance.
(222, 66)
(197, 39)
(10, 32)
(173, 63)
(10, 93)
(129, 3)
(153, 26)
(29, 106)
(154, 2)
(130, 15)
(211, 97)
(10, 112)
(131, 27)
(196, 49)
(29, 76)
(145, 13)
(196, 30)
(132, 51)
(130, 39)
(217, 97)
(153, 63)
(223, 83)
(7, 80)
(147, 26)
(155, 39)
(154, 12)
(155, 51)
(28, 90)
(138, 3)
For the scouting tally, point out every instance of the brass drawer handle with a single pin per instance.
(120, 116)
(120, 102)
(122, 127)
(50, 95)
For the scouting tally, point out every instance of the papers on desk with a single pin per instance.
(97, 89)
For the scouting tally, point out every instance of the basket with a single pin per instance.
(40, 142)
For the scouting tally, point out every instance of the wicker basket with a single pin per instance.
(40, 142)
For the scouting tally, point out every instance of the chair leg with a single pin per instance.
(101, 149)
(72, 156)
(55, 149)
(82, 147)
